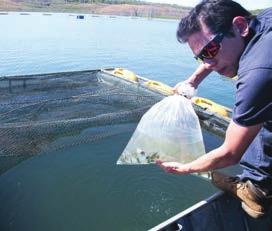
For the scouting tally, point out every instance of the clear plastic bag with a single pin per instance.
(186, 89)
(168, 131)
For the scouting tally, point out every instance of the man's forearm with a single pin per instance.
(230, 152)
(200, 73)
(217, 158)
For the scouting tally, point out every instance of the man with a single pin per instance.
(227, 39)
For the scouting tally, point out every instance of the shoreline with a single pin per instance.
(161, 11)
(48, 13)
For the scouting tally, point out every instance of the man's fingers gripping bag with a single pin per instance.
(168, 131)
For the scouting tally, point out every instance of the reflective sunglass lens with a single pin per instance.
(211, 49)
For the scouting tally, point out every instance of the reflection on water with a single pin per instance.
(42, 44)
(82, 188)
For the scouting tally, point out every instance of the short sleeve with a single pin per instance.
(253, 104)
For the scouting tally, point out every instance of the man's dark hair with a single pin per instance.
(217, 15)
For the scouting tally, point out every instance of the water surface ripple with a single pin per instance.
(80, 187)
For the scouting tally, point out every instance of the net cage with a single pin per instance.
(46, 112)
(37, 111)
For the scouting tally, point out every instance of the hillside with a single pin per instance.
(133, 8)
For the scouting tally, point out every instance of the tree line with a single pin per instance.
(106, 1)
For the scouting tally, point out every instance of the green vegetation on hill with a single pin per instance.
(108, 1)
(108, 7)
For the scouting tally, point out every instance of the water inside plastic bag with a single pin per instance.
(168, 131)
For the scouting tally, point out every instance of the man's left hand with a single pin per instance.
(172, 167)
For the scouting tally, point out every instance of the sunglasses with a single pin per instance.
(211, 49)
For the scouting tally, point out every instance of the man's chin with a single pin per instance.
(232, 75)
(228, 73)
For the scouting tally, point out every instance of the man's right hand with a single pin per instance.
(186, 89)
(193, 81)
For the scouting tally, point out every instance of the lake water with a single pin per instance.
(81, 188)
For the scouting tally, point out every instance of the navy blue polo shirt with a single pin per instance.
(253, 104)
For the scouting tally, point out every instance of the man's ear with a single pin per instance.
(240, 25)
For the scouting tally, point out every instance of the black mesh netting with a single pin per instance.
(39, 110)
